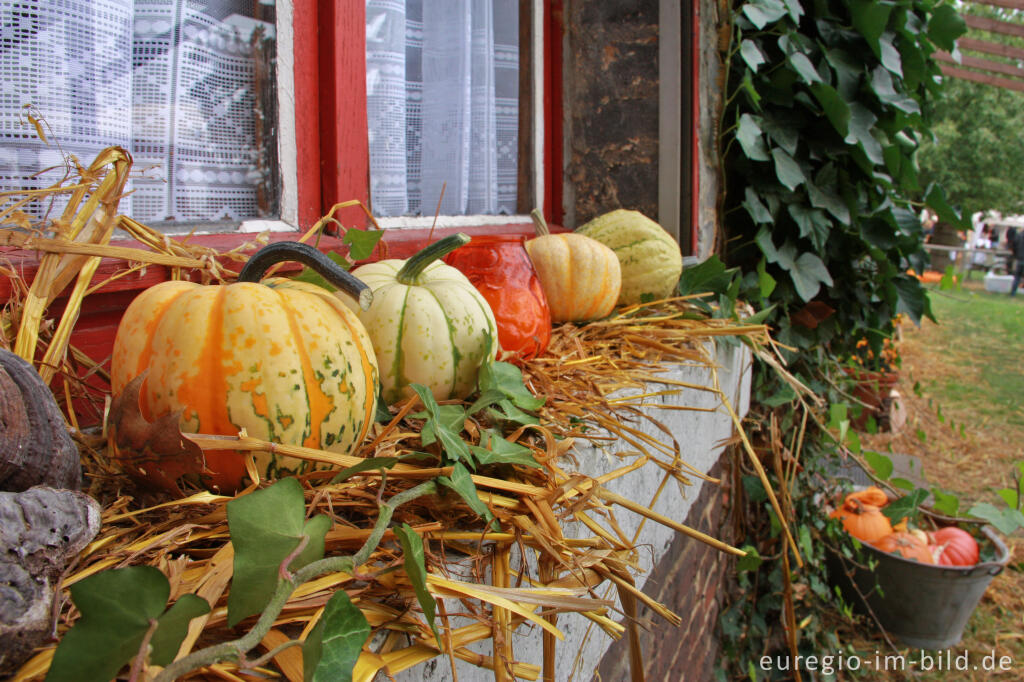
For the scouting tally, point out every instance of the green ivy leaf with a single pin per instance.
(450, 418)
(861, 123)
(494, 449)
(890, 56)
(804, 68)
(945, 25)
(332, 647)
(808, 275)
(849, 72)
(117, 606)
(870, 19)
(787, 170)
(751, 54)
(1006, 521)
(416, 568)
(945, 502)
(751, 561)
(765, 282)
(836, 109)
(1009, 496)
(879, 463)
(709, 275)
(935, 197)
(830, 201)
(748, 134)
(764, 12)
(462, 483)
(266, 527)
(507, 379)
(361, 243)
(439, 426)
(755, 207)
(912, 298)
(812, 222)
(884, 88)
(906, 506)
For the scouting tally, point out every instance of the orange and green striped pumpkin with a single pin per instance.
(286, 361)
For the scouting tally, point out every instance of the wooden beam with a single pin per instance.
(975, 45)
(979, 63)
(1008, 4)
(994, 26)
(983, 78)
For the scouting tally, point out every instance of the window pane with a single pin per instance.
(443, 105)
(186, 85)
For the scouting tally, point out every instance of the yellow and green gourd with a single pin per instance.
(286, 361)
(429, 325)
(650, 258)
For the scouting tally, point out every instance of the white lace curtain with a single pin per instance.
(442, 82)
(170, 80)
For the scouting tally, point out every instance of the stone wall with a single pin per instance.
(611, 104)
(611, 90)
(691, 580)
(684, 572)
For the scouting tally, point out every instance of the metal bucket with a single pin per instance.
(925, 606)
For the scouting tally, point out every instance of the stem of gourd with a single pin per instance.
(277, 252)
(414, 267)
(237, 648)
(540, 226)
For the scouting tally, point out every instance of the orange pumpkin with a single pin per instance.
(286, 361)
(907, 545)
(871, 495)
(580, 276)
(865, 522)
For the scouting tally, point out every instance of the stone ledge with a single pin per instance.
(701, 436)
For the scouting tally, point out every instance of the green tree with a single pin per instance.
(977, 153)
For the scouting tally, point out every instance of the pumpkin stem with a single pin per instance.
(277, 252)
(540, 226)
(411, 270)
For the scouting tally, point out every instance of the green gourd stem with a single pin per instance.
(414, 267)
(278, 252)
(540, 226)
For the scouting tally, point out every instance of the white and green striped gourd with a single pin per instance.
(428, 324)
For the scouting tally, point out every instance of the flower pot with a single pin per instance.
(876, 390)
(924, 605)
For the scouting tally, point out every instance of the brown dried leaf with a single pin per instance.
(154, 452)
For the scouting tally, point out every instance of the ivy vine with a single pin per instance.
(826, 105)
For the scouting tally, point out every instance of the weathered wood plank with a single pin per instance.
(980, 63)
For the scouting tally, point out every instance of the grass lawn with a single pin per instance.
(962, 382)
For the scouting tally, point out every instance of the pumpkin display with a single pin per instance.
(286, 361)
(650, 258)
(581, 277)
(500, 269)
(428, 324)
(955, 547)
(907, 545)
(865, 522)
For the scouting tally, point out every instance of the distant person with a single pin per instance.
(1017, 248)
